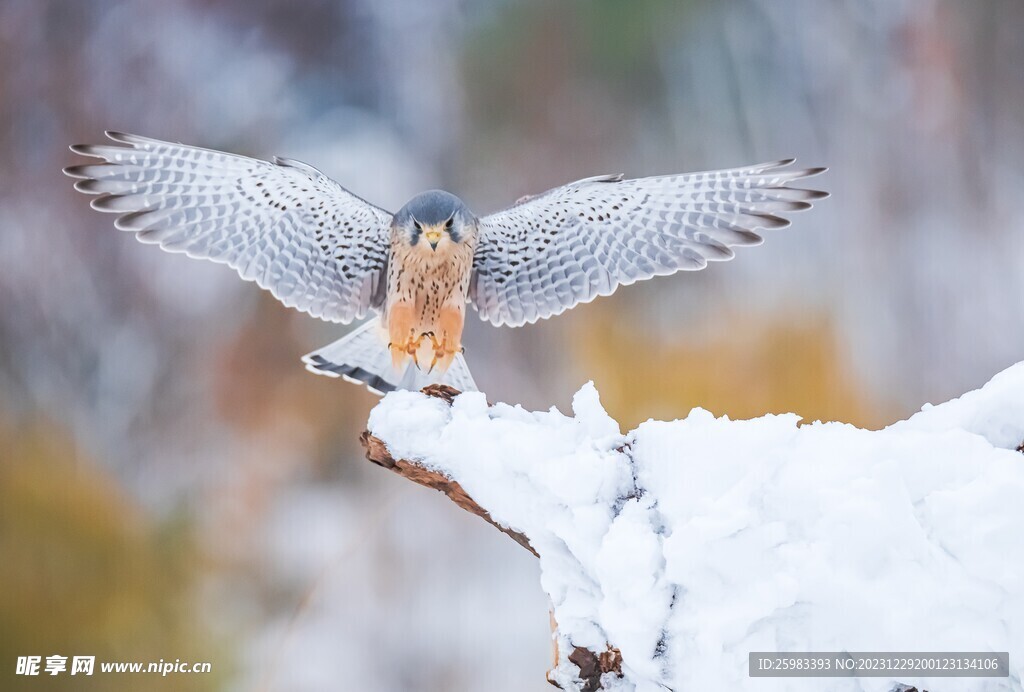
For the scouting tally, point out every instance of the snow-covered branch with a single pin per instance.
(377, 452)
(672, 552)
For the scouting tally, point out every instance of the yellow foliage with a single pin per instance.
(743, 367)
(85, 572)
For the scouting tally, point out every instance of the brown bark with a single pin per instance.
(592, 666)
(377, 452)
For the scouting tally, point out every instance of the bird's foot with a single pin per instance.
(443, 354)
(399, 352)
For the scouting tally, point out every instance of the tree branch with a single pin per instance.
(591, 665)
(377, 452)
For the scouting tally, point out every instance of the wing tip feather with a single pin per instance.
(130, 222)
(86, 150)
(75, 172)
(87, 186)
(122, 137)
(100, 203)
(771, 221)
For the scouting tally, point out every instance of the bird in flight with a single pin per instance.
(321, 249)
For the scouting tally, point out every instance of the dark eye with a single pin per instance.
(448, 224)
(417, 225)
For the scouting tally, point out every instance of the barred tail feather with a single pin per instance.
(362, 357)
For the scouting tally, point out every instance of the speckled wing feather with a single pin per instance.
(585, 239)
(295, 232)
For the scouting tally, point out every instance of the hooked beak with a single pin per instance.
(433, 236)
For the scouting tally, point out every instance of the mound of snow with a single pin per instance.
(689, 544)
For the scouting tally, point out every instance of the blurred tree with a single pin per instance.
(742, 367)
(130, 597)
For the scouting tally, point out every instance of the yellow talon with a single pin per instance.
(400, 351)
(442, 353)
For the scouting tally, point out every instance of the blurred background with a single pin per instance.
(173, 484)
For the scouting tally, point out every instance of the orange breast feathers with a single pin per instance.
(426, 304)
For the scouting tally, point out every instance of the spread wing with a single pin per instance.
(295, 232)
(585, 239)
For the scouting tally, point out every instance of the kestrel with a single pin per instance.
(322, 250)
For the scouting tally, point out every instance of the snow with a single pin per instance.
(688, 544)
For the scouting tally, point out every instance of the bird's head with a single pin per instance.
(435, 218)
